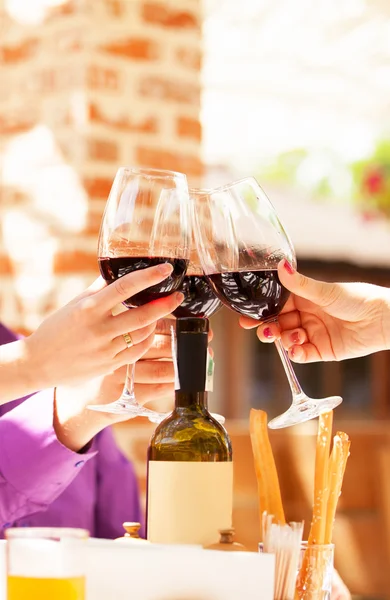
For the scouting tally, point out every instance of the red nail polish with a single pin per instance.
(295, 337)
(288, 267)
(267, 333)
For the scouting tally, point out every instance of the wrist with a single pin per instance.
(19, 378)
(33, 366)
(73, 426)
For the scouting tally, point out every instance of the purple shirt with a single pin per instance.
(44, 484)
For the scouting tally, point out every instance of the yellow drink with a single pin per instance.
(34, 588)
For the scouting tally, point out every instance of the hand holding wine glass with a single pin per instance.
(240, 242)
(145, 223)
(75, 426)
(328, 321)
(83, 339)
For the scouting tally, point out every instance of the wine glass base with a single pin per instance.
(304, 410)
(118, 408)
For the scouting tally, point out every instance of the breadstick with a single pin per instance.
(337, 464)
(270, 499)
(318, 523)
(324, 437)
(336, 468)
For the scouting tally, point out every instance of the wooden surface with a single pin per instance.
(362, 532)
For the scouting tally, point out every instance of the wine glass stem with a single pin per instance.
(129, 384)
(296, 389)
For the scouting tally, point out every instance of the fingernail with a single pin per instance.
(179, 297)
(288, 267)
(165, 268)
(268, 333)
(295, 337)
(296, 352)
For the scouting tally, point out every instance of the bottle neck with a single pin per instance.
(192, 355)
(190, 399)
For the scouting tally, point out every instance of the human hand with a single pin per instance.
(84, 339)
(339, 589)
(154, 374)
(76, 425)
(328, 321)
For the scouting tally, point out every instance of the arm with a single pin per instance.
(15, 372)
(35, 467)
(84, 339)
(39, 440)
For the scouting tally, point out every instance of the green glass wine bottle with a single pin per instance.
(190, 469)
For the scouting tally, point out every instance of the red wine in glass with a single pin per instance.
(257, 294)
(112, 269)
(199, 298)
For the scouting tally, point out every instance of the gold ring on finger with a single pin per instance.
(128, 340)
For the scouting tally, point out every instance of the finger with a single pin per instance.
(268, 333)
(154, 371)
(139, 335)
(248, 323)
(321, 293)
(131, 355)
(294, 337)
(161, 348)
(151, 312)
(131, 284)
(96, 286)
(304, 354)
(164, 326)
(160, 391)
(291, 320)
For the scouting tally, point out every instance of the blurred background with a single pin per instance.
(297, 94)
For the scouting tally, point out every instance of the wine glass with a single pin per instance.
(146, 222)
(240, 242)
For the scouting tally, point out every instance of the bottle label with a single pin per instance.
(209, 373)
(188, 502)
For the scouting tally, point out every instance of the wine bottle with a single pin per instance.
(190, 469)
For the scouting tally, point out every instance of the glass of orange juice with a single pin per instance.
(46, 563)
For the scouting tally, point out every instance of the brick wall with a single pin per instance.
(86, 86)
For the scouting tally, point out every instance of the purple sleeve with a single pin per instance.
(6, 335)
(35, 467)
(117, 495)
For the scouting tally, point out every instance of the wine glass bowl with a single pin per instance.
(240, 242)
